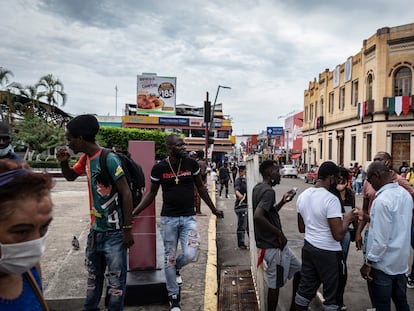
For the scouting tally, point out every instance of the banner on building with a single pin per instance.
(336, 73)
(348, 70)
(156, 95)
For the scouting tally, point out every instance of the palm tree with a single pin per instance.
(31, 93)
(52, 89)
(5, 74)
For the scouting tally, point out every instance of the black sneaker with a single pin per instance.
(178, 278)
(174, 303)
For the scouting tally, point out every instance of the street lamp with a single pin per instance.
(214, 105)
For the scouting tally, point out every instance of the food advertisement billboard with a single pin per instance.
(155, 94)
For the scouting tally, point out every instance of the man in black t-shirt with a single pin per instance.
(282, 262)
(177, 175)
(224, 178)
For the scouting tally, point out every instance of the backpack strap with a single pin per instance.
(33, 284)
(102, 164)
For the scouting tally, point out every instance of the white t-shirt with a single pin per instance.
(316, 205)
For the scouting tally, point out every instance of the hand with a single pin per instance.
(365, 272)
(282, 241)
(62, 154)
(218, 213)
(127, 238)
(358, 241)
(360, 213)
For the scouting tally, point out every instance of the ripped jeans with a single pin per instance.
(106, 250)
(184, 230)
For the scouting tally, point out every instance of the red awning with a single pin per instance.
(295, 156)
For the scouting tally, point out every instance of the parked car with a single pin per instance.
(288, 170)
(312, 175)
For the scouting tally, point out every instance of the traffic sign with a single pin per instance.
(274, 130)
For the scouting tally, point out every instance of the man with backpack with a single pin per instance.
(111, 211)
(177, 175)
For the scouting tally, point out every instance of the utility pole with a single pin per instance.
(207, 115)
(116, 100)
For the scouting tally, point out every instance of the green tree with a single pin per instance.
(52, 89)
(5, 95)
(32, 96)
(38, 136)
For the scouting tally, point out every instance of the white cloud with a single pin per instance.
(267, 51)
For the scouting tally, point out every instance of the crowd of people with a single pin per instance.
(327, 215)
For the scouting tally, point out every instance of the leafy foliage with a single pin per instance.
(37, 134)
(110, 136)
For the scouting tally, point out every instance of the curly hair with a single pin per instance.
(18, 182)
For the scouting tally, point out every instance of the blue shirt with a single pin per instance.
(388, 244)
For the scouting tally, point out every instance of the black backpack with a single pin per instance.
(133, 173)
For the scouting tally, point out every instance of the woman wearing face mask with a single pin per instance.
(25, 215)
(347, 198)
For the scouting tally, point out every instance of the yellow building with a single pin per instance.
(364, 105)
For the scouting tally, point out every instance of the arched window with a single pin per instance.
(369, 87)
(402, 82)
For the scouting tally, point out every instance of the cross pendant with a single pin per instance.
(176, 180)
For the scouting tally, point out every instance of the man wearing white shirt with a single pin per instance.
(320, 218)
(388, 244)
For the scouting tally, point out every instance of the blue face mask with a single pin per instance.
(5, 151)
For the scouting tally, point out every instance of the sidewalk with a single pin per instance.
(64, 272)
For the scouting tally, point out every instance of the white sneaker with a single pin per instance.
(178, 278)
(174, 303)
(410, 283)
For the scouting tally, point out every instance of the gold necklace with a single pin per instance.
(176, 175)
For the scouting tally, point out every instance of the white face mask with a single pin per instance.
(340, 187)
(5, 151)
(20, 257)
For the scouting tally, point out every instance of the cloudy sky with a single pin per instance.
(266, 51)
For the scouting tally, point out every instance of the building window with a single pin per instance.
(307, 114)
(311, 112)
(369, 147)
(320, 148)
(342, 98)
(330, 149)
(369, 87)
(353, 148)
(331, 102)
(354, 100)
(402, 82)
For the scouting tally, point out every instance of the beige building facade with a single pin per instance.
(364, 105)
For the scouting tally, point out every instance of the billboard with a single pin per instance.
(156, 95)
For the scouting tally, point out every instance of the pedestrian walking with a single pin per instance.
(224, 178)
(177, 175)
(111, 212)
(240, 207)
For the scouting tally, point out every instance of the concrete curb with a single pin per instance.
(211, 282)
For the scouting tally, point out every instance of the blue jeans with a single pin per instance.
(181, 229)
(241, 214)
(346, 240)
(358, 186)
(106, 250)
(385, 287)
